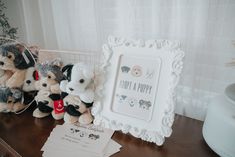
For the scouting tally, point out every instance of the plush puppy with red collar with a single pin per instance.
(50, 75)
(80, 92)
(17, 59)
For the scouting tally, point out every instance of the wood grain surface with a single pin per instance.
(26, 135)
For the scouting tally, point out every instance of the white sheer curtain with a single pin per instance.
(205, 28)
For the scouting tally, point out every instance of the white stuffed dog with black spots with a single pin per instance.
(80, 98)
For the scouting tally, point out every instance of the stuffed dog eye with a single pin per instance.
(50, 75)
(81, 80)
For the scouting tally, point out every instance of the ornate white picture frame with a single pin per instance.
(136, 89)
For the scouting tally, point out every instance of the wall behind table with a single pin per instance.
(205, 28)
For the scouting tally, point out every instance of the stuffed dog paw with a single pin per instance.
(76, 111)
(80, 93)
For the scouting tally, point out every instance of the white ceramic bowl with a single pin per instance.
(219, 126)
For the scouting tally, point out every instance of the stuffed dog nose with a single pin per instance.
(44, 84)
(1, 63)
(28, 81)
(71, 89)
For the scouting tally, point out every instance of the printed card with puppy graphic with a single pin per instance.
(136, 93)
(136, 86)
(80, 140)
(88, 138)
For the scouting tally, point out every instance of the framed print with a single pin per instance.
(136, 88)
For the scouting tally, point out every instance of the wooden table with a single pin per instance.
(24, 135)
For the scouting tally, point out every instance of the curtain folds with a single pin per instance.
(206, 29)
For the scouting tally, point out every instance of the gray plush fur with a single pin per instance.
(19, 60)
(56, 70)
(5, 93)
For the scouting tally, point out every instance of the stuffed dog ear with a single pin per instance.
(68, 69)
(57, 62)
(23, 58)
(20, 47)
(34, 51)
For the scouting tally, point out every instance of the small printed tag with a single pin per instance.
(58, 106)
(25, 58)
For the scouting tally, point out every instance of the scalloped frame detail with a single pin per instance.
(167, 118)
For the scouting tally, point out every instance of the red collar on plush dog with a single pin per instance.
(58, 106)
(36, 76)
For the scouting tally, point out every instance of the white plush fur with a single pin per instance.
(83, 90)
(29, 82)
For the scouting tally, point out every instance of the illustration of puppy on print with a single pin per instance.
(135, 87)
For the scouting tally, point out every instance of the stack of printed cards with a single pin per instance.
(77, 140)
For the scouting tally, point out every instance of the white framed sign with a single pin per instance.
(136, 91)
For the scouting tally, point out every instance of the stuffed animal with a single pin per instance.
(16, 58)
(11, 99)
(48, 96)
(29, 87)
(27, 93)
(80, 93)
(79, 82)
(31, 76)
(76, 110)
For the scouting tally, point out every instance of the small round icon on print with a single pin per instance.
(132, 101)
(136, 71)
